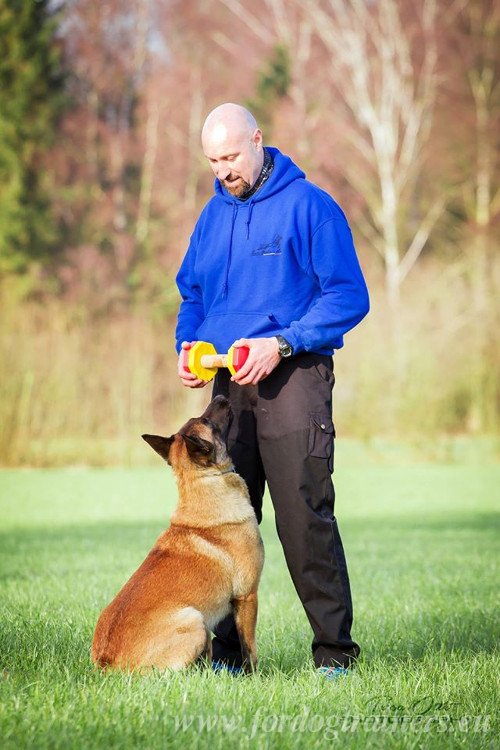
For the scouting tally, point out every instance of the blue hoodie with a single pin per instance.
(282, 262)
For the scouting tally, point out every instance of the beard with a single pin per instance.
(236, 186)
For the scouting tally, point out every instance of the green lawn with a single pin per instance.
(421, 545)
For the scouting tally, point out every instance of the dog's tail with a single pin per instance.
(100, 652)
(103, 661)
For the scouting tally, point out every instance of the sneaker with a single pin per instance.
(332, 673)
(222, 666)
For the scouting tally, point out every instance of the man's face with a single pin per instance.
(235, 158)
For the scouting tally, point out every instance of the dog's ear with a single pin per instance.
(199, 450)
(160, 444)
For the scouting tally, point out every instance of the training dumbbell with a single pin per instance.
(202, 360)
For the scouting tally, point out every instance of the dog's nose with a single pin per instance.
(221, 401)
(219, 412)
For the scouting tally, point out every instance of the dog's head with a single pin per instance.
(201, 441)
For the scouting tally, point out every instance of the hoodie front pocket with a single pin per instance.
(225, 328)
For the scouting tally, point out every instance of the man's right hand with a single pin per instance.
(187, 378)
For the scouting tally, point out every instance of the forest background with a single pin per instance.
(392, 107)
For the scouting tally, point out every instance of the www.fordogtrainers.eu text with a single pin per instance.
(332, 726)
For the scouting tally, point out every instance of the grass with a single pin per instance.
(420, 541)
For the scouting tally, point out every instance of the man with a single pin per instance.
(271, 265)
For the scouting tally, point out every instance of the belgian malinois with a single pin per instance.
(205, 565)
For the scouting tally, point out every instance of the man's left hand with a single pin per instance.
(262, 359)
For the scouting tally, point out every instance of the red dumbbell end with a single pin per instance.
(240, 356)
(185, 360)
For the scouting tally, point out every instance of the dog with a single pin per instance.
(205, 565)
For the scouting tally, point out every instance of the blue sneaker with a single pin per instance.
(332, 673)
(221, 666)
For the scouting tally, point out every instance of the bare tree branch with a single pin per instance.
(421, 237)
(251, 21)
(391, 98)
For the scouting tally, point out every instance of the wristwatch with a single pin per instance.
(285, 349)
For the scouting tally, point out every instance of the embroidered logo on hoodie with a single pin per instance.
(269, 248)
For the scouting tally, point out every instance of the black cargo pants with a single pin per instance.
(282, 432)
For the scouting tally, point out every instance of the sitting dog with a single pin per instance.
(205, 565)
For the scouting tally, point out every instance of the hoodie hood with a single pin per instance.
(284, 172)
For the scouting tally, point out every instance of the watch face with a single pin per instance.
(285, 349)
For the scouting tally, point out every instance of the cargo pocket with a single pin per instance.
(321, 435)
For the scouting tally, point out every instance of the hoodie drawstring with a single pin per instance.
(233, 221)
(249, 217)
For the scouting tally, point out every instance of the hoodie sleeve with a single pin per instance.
(343, 302)
(191, 311)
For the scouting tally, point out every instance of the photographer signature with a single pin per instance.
(419, 706)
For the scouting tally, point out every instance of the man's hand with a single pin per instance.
(187, 378)
(262, 359)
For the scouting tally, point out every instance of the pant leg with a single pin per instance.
(244, 452)
(296, 441)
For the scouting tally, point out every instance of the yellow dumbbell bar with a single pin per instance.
(203, 360)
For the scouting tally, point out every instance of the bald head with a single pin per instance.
(232, 142)
(228, 118)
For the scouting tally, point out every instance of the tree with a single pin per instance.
(474, 39)
(273, 84)
(382, 69)
(31, 99)
(285, 31)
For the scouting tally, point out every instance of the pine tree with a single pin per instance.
(31, 97)
(272, 85)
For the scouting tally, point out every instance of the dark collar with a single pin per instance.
(265, 172)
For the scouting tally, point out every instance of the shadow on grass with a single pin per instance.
(102, 536)
(482, 522)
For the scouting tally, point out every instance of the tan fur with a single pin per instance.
(206, 564)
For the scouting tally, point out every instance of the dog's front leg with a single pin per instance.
(245, 617)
